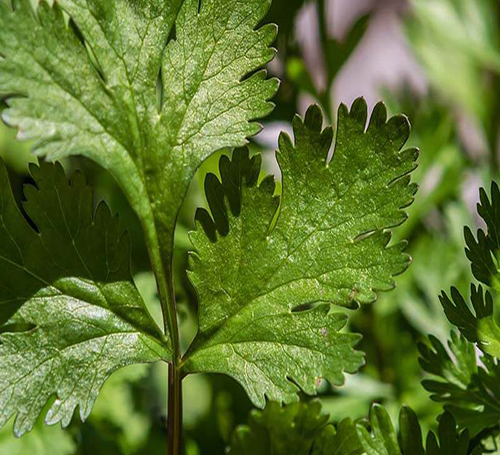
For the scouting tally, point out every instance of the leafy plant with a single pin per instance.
(458, 44)
(468, 390)
(468, 385)
(315, 250)
(302, 428)
(96, 79)
(480, 325)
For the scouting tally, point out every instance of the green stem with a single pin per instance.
(165, 283)
(174, 419)
(174, 423)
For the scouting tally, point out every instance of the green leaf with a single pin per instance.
(383, 440)
(43, 440)
(298, 428)
(104, 85)
(449, 441)
(340, 440)
(480, 326)
(70, 314)
(267, 268)
(469, 391)
(482, 253)
(301, 429)
(410, 433)
(280, 430)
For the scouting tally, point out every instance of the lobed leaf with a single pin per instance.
(280, 430)
(147, 107)
(266, 269)
(383, 440)
(471, 392)
(70, 314)
(300, 428)
(480, 326)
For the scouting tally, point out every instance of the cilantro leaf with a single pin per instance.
(70, 314)
(147, 113)
(325, 240)
(482, 252)
(468, 386)
(471, 392)
(280, 430)
(383, 440)
(449, 441)
(298, 428)
(480, 326)
(339, 440)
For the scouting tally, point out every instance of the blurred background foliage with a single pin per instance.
(436, 61)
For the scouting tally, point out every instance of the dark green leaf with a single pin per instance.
(382, 439)
(481, 326)
(280, 430)
(469, 391)
(70, 314)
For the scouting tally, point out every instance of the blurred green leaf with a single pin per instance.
(280, 430)
(382, 438)
(471, 392)
(41, 440)
(115, 412)
(458, 43)
(70, 314)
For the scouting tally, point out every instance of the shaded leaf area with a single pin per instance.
(482, 251)
(300, 428)
(383, 439)
(470, 391)
(70, 314)
(477, 321)
(267, 268)
(142, 109)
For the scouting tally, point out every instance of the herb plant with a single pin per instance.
(466, 383)
(468, 388)
(301, 428)
(96, 79)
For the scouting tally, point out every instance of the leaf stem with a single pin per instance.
(165, 283)
(174, 418)
(174, 423)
